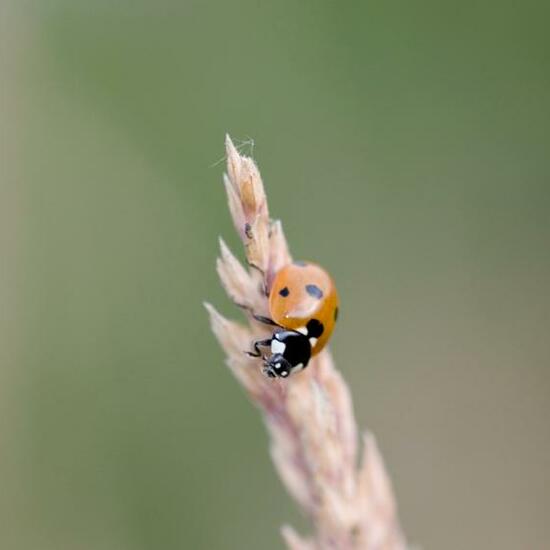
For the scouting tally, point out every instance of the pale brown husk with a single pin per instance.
(309, 417)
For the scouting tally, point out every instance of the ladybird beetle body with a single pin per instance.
(303, 304)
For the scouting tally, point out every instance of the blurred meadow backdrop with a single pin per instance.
(405, 145)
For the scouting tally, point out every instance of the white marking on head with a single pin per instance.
(278, 365)
(284, 374)
(312, 341)
(277, 346)
(302, 330)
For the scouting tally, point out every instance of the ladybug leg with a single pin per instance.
(256, 344)
(259, 318)
(252, 265)
(265, 320)
(263, 287)
(257, 268)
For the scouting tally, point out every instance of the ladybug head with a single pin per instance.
(276, 366)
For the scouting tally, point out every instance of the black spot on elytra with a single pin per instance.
(248, 230)
(314, 328)
(300, 263)
(315, 291)
(284, 292)
(336, 314)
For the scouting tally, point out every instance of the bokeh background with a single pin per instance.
(405, 146)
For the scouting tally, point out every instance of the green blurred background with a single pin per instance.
(405, 146)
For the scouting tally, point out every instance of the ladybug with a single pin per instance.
(303, 304)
